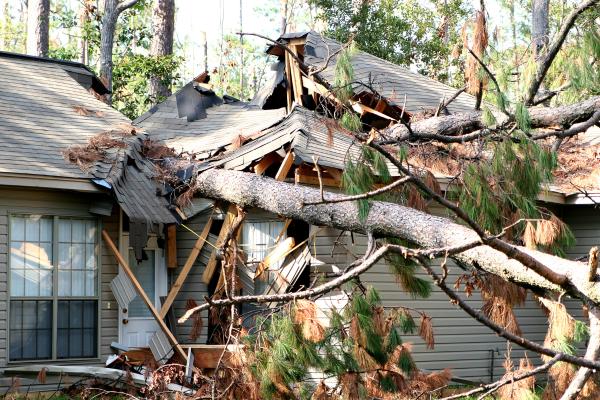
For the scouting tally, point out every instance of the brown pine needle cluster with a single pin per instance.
(305, 316)
(499, 298)
(426, 331)
(519, 389)
(196, 320)
(475, 81)
(544, 232)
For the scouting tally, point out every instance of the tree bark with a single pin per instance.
(112, 10)
(284, 13)
(388, 219)
(38, 22)
(539, 26)
(464, 123)
(163, 22)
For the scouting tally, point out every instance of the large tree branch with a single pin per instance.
(592, 353)
(545, 63)
(124, 5)
(561, 117)
(391, 220)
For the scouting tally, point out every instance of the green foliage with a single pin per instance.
(488, 117)
(351, 121)
(582, 332)
(131, 81)
(344, 75)
(494, 193)
(405, 271)
(522, 118)
(359, 339)
(403, 32)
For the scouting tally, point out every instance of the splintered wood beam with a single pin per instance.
(187, 267)
(172, 246)
(285, 166)
(296, 74)
(265, 163)
(211, 266)
(288, 75)
(142, 293)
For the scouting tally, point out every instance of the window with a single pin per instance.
(53, 288)
(258, 239)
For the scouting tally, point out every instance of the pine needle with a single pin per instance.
(529, 236)
(426, 331)
(305, 316)
(521, 389)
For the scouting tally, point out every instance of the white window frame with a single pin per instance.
(55, 297)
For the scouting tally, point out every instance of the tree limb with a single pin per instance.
(545, 63)
(465, 123)
(124, 5)
(390, 220)
(507, 381)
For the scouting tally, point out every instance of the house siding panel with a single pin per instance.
(462, 344)
(193, 287)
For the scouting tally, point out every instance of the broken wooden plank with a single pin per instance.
(305, 174)
(186, 269)
(296, 75)
(265, 163)
(172, 246)
(277, 254)
(288, 76)
(212, 263)
(207, 356)
(142, 293)
(123, 291)
(285, 166)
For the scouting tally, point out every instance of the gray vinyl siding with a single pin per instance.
(193, 287)
(461, 343)
(61, 204)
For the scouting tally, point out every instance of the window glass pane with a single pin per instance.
(31, 256)
(258, 240)
(17, 228)
(30, 329)
(64, 230)
(144, 272)
(76, 258)
(77, 328)
(32, 229)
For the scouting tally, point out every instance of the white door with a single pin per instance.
(136, 324)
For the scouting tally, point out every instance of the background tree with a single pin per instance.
(38, 25)
(163, 22)
(110, 13)
(407, 33)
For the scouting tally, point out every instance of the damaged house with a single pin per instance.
(101, 253)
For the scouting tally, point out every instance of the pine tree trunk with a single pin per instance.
(539, 26)
(112, 10)
(84, 19)
(38, 21)
(107, 37)
(163, 22)
(3, 13)
(284, 13)
(388, 220)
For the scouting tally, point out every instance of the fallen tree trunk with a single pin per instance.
(388, 219)
(464, 123)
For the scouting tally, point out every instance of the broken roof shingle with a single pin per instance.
(222, 125)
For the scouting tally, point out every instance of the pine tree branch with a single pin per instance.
(521, 341)
(357, 268)
(492, 77)
(572, 130)
(124, 5)
(494, 386)
(545, 63)
(362, 196)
